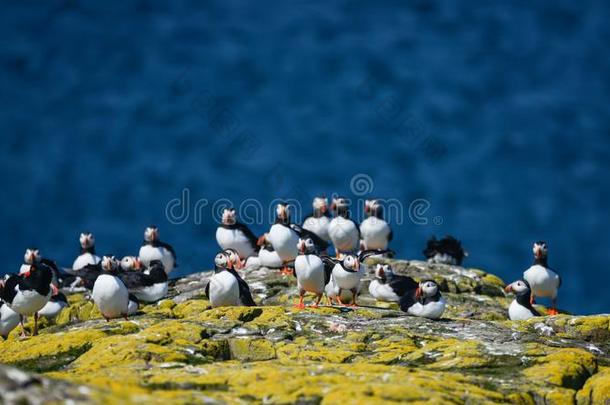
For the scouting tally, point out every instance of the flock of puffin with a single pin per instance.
(118, 287)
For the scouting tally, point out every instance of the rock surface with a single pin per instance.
(180, 351)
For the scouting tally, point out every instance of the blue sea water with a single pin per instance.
(496, 114)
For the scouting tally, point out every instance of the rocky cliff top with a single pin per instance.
(179, 351)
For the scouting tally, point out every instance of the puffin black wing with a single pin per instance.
(134, 279)
(321, 244)
(372, 252)
(207, 290)
(249, 234)
(407, 300)
(329, 265)
(402, 284)
(170, 249)
(244, 290)
(9, 291)
(89, 274)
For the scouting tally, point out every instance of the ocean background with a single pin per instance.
(489, 121)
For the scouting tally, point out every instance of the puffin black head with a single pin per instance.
(383, 271)
(282, 213)
(234, 259)
(151, 234)
(373, 208)
(320, 206)
(131, 263)
(32, 255)
(519, 288)
(351, 263)
(109, 264)
(229, 217)
(306, 246)
(87, 242)
(540, 250)
(427, 289)
(340, 207)
(222, 262)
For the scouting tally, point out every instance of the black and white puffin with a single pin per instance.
(312, 273)
(9, 319)
(425, 301)
(347, 274)
(226, 288)
(109, 292)
(343, 231)
(146, 286)
(87, 252)
(375, 232)
(445, 251)
(29, 292)
(55, 305)
(232, 234)
(388, 286)
(319, 220)
(543, 280)
(521, 308)
(154, 249)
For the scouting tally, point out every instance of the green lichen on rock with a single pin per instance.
(181, 351)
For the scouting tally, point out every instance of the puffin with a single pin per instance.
(109, 292)
(154, 249)
(445, 251)
(312, 273)
(29, 292)
(267, 257)
(425, 301)
(319, 220)
(9, 319)
(388, 286)
(147, 286)
(87, 253)
(343, 231)
(226, 288)
(282, 237)
(543, 280)
(375, 232)
(521, 308)
(347, 274)
(232, 234)
(57, 302)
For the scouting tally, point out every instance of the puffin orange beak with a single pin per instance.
(418, 292)
(54, 290)
(137, 264)
(27, 274)
(509, 288)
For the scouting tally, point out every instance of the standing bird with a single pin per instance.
(388, 286)
(153, 249)
(343, 231)
(282, 237)
(33, 256)
(347, 274)
(57, 302)
(109, 292)
(147, 286)
(319, 220)
(425, 301)
(521, 308)
(374, 230)
(445, 251)
(544, 281)
(9, 319)
(87, 252)
(226, 288)
(232, 234)
(311, 271)
(28, 293)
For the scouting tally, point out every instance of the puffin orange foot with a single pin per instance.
(552, 311)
